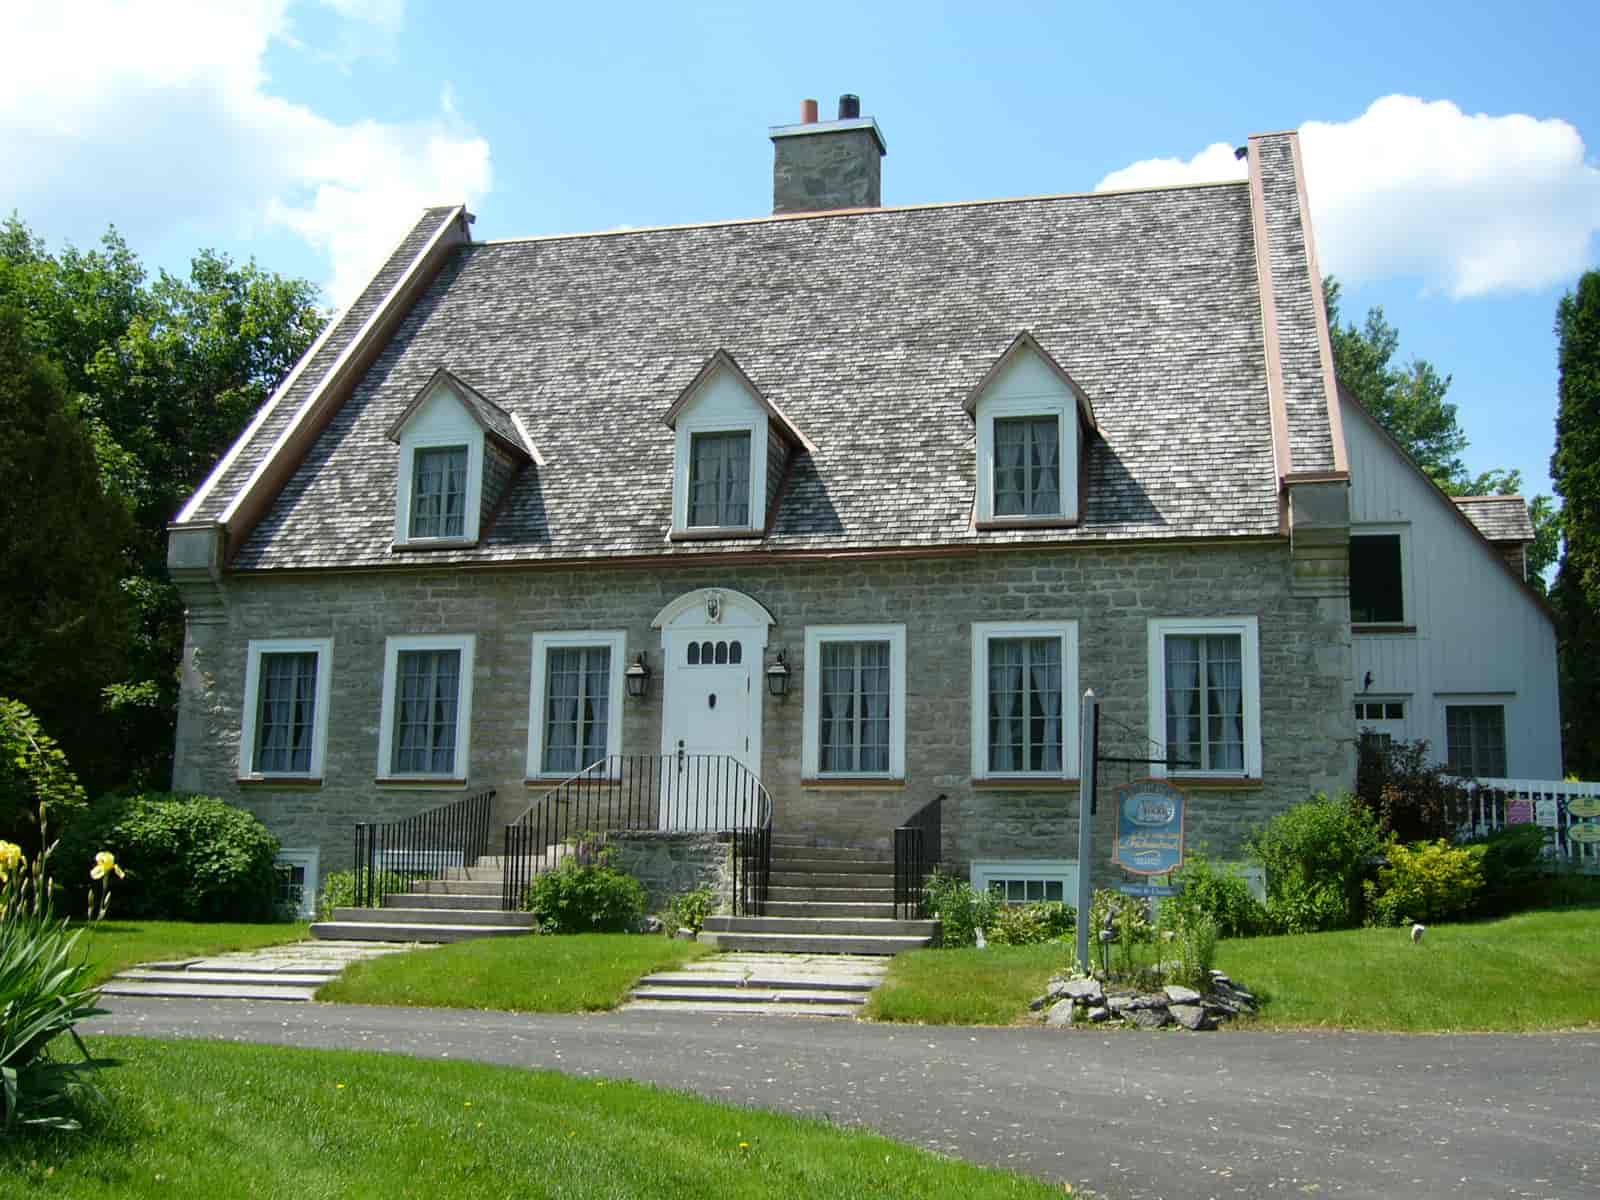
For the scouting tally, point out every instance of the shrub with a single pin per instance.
(1217, 891)
(689, 910)
(1030, 924)
(196, 858)
(961, 909)
(1430, 881)
(1414, 798)
(342, 889)
(35, 779)
(1514, 864)
(1316, 856)
(586, 898)
(1196, 944)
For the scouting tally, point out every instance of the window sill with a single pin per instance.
(1383, 628)
(1022, 783)
(426, 783)
(304, 782)
(844, 782)
(1026, 523)
(714, 533)
(1216, 783)
(433, 544)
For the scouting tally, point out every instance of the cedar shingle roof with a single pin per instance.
(1498, 518)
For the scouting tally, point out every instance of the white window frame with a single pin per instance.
(984, 871)
(983, 632)
(1445, 701)
(1408, 616)
(687, 428)
(811, 671)
(1248, 630)
(1064, 409)
(311, 859)
(616, 641)
(323, 649)
(440, 423)
(466, 643)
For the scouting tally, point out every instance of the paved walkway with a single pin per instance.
(1134, 1116)
(290, 972)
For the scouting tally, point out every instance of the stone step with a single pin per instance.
(433, 916)
(852, 866)
(184, 989)
(478, 874)
(866, 926)
(455, 887)
(442, 900)
(729, 1008)
(825, 879)
(255, 979)
(812, 943)
(845, 982)
(830, 854)
(788, 894)
(746, 995)
(375, 931)
(824, 908)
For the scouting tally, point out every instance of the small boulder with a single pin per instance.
(1151, 1018)
(684, 934)
(1192, 1016)
(1060, 1014)
(651, 925)
(1182, 995)
(1039, 1002)
(1099, 1013)
(1085, 991)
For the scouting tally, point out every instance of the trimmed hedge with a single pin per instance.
(187, 858)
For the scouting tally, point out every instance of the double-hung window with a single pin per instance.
(575, 701)
(1027, 466)
(439, 492)
(1024, 702)
(1475, 740)
(284, 731)
(427, 708)
(855, 698)
(719, 479)
(1205, 696)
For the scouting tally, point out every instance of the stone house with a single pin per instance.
(930, 471)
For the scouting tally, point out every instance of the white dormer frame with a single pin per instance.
(1027, 382)
(437, 420)
(722, 399)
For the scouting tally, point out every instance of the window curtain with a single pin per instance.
(874, 658)
(1183, 702)
(597, 703)
(563, 685)
(719, 479)
(439, 493)
(1225, 704)
(1005, 705)
(1010, 455)
(1044, 694)
(836, 733)
(425, 720)
(286, 716)
(1045, 450)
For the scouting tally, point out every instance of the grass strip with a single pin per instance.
(114, 945)
(205, 1119)
(567, 973)
(965, 987)
(1533, 971)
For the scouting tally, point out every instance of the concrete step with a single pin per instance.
(181, 988)
(456, 887)
(812, 943)
(433, 916)
(825, 879)
(478, 874)
(788, 854)
(844, 983)
(852, 866)
(824, 908)
(747, 995)
(256, 979)
(864, 926)
(789, 894)
(375, 931)
(731, 1008)
(442, 900)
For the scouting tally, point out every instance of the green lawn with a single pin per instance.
(565, 973)
(1533, 971)
(965, 987)
(113, 945)
(209, 1119)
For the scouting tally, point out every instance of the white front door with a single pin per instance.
(711, 701)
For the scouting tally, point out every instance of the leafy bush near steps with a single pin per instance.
(1430, 881)
(961, 909)
(586, 898)
(193, 858)
(689, 910)
(340, 889)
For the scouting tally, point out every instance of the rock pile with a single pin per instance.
(1089, 1001)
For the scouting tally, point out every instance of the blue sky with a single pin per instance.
(305, 133)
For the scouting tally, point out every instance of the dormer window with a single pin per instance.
(1032, 421)
(732, 447)
(459, 454)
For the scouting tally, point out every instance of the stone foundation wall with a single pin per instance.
(670, 863)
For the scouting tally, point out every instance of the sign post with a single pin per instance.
(1088, 761)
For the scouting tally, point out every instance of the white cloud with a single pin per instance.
(1470, 204)
(164, 117)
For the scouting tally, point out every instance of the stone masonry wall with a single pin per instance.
(669, 863)
(1111, 592)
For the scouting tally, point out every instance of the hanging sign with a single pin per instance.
(1149, 827)
(1584, 806)
(1586, 834)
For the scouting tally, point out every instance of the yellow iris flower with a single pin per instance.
(105, 863)
(10, 859)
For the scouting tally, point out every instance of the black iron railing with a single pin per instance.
(916, 853)
(392, 854)
(669, 792)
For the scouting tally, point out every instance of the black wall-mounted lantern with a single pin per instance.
(778, 677)
(637, 678)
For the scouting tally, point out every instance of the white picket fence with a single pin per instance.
(1570, 811)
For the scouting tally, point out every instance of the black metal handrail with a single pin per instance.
(421, 847)
(917, 848)
(668, 792)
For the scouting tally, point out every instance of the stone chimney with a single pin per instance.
(822, 165)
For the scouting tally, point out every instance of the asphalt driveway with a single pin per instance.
(1132, 1115)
